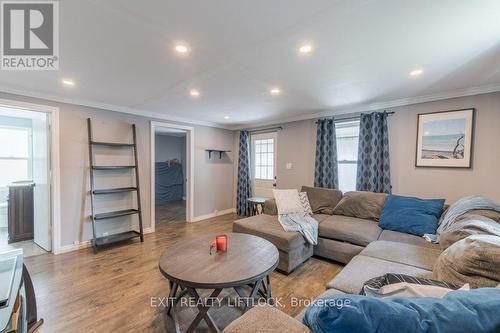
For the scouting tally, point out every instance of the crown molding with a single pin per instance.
(377, 106)
(109, 107)
(324, 113)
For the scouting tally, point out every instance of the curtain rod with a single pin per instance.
(268, 129)
(355, 117)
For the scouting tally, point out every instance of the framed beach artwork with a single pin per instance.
(444, 139)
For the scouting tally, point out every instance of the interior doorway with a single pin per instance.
(171, 173)
(25, 180)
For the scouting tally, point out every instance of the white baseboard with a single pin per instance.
(214, 214)
(87, 243)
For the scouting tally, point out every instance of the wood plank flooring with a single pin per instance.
(113, 290)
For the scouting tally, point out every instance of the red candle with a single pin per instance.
(220, 244)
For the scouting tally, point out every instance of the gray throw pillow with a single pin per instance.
(474, 260)
(361, 204)
(322, 200)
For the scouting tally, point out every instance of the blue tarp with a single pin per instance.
(169, 182)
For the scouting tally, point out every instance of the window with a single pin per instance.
(347, 154)
(264, 159)
(15, 154)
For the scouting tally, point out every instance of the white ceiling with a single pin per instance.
(120, 53)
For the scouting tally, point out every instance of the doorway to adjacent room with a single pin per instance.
(171, 172)
(26, 199)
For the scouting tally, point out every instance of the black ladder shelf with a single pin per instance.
(102, 241)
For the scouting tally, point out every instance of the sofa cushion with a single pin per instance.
(458, 311)
(413, 255)
(322, 200)
(411, 215)
(268, 227)
(361, 204)
(270, 207)
(350, 229)
(266, 318)
(361, 269)
(395, 236)
(474, 260)
(320, 217)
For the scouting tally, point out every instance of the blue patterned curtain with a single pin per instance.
(373, 154)
(243, 191)
(325, 169)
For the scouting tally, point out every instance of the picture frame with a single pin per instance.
(445, 139)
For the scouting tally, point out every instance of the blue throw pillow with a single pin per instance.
(458, 311)
(411, 215)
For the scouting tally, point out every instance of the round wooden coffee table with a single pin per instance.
(246, 265)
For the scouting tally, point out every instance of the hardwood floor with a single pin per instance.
(113, 290)
(171, 212)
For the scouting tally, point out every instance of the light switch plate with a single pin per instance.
(289, 166)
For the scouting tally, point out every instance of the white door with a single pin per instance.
(263, 156)
(41, 168)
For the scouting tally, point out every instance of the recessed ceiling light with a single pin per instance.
(68, 82)
(227, 117)
(275, 91)
(194, 93)
(416, 72)
(181, 48)
(305, 49)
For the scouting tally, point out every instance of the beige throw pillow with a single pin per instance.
(288, 201)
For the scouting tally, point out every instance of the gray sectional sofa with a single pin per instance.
(341, 237)
(359, 242)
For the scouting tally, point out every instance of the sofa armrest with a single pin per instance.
(270, 207)
(266, 318)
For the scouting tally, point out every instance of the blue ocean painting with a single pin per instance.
(443, 139)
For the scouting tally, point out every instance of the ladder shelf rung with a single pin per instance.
(115, 238)
(115, 190)
(118, 213)
(113, 167)
(111, 144)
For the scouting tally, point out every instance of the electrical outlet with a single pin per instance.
(289, 166)
(104, 234)
(76, 242)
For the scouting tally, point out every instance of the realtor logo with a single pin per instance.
(30, 35)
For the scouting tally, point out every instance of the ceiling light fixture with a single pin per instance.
(416, 72)
(68, 82)
(305, 49)
(194, 93)
(227, 117)
(181, 48)
(275, 91)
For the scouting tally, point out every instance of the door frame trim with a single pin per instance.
(55, 166)
(154, 125)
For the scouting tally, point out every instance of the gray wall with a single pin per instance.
(296, 144)
(213, 186)
(169, 147)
